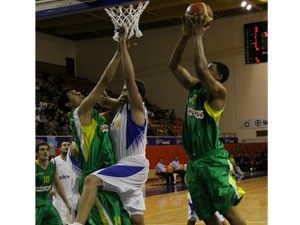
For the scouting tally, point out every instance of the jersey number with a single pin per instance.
(46, 179)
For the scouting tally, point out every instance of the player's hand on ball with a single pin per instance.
(187, 26)
(197, 23)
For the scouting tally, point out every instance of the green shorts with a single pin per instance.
(47, 215)
(108, 210)
(211, 185)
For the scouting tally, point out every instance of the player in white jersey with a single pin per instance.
(128, 132)
(67, 179)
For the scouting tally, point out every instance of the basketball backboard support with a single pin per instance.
(53, 8)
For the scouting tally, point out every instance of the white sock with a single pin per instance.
(219, 216)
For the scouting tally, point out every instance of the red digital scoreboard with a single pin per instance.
(256, 42)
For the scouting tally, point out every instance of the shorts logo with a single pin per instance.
(43, 188)
(104, 128)
(199, 114)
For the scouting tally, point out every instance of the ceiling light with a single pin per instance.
(243, 4)
(249, 7)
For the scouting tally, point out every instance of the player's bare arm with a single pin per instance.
(215, 88)
(86, 107)
(74, 150)
(179, 71)
(111, 104)
(135, 99)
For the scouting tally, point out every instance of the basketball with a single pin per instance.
(201, 9)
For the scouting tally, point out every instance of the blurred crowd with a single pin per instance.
(51, 121)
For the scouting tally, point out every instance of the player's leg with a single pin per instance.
(192, 216)
(137, 219)
(234, 217)
(221, 218)
(88, 197)
(220, 180)
(212, 220)
(62, 209)
(108, 210)
(134, 203)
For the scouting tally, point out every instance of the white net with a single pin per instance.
(127, 17)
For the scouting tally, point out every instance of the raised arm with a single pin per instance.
(86, 107)
(111, 104)
(215, 88)
(134, 97)
(175, 64)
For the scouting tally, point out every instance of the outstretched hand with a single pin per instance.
(123, 40)
(123, 98)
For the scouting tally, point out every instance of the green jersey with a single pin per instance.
(43, 183)
(99, 153)
(200, 132)
(96, 152)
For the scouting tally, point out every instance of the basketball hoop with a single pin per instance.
(127, 17)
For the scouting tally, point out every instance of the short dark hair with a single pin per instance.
(40, 144)
(61, 142)
(141, 87)
(63, 99)
(222, 69)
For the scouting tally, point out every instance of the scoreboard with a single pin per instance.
(256, 42)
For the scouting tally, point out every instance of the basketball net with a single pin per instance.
(127, 17)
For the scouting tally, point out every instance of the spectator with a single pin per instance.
(162, 171)
(178, 169)
(172, 116)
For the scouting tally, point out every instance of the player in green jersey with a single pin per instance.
(45, 176)
(94, 148)
(209, 171)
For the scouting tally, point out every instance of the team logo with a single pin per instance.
(64, 177)
(199, 114)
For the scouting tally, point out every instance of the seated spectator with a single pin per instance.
(178, 168)
(162, 171)
(236, 168)
(245, 162)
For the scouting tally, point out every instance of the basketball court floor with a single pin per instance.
(171, 208)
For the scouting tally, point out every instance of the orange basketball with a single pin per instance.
(200, 9)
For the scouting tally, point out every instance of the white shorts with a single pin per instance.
(127, 178)
(192, 216)
(62, 209)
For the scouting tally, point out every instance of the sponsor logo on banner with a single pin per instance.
(152, 140)
(254, 123)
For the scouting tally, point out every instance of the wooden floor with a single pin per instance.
(171, 208)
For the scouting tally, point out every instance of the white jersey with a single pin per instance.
(128, 176)
(65, 175)
(69, 182)
(128, 138)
